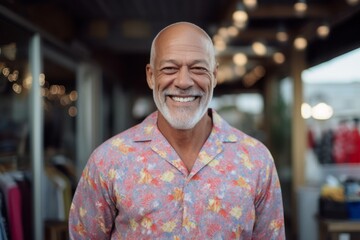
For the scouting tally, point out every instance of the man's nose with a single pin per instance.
(184, 80)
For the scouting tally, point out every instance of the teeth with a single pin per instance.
(183, 99)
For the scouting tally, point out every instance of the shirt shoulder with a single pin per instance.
(141, 132)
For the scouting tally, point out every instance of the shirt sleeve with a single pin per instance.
(269, 222)
(92, 210)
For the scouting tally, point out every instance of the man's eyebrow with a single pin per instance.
(199, 61)
(196, 61)
(168, 61)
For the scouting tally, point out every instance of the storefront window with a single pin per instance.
(60, 111)
(59, 99)
(56, 143)
(15, 83)
(332, 109)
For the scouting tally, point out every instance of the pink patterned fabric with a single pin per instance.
(134, 186)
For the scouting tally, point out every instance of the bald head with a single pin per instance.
(181, 30)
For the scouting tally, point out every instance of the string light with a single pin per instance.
(322, 111)
(73, 95)
(259, 48)
(252, 77)
(282, 35)
(250, 4)
(300, 7)
(240, 70)
(17, 88)
(306, 110)
(240, 59)
(225, 73)
(279, 58)
(223, 32)
(72, 111)
(240, 17)
(300, 43)
(220, 45)
(323, 31)
(53, 93)
(232, 31)
(5, 71)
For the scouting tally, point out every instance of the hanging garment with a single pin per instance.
(3, 218)
(341, 141)
(354, 145)
(13, 203)
(24, 185)
(60, 186)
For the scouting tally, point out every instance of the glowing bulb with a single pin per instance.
(251, 4)
(232, 31)
(306, 110)
(322, 111)
(282, 36)
(300, 43)
(300, 7)
(323, 31)
(259, 48)
(259, 71)
(72, 111)
(240, 71)
(240, 16)
(73, 96)
(220, 45)
(279, 58)
(223, 32)
(240, 59)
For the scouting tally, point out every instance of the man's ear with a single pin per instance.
(215, 73)
(149, 76)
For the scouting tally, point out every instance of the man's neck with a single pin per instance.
(187, 143)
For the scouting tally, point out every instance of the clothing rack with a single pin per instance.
(57, 184)
(7, 161)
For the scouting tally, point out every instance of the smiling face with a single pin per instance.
(182, 74)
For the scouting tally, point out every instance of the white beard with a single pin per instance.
(182, 117)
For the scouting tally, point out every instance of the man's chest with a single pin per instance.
(150, 195)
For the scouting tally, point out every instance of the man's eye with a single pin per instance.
(199, 70)
(169, 70)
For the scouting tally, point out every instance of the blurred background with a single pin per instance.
(289, 75)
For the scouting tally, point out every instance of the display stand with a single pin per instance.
(333, 228)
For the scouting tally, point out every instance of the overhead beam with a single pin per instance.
(280, 11)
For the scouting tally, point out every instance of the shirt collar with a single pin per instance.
(146, 129)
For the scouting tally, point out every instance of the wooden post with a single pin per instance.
(298, 131)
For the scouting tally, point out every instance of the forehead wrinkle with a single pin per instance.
(180, 62)
(189, 54)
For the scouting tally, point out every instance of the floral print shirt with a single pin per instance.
(135, 186)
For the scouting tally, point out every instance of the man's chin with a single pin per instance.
(182, 125)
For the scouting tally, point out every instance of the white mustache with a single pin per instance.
(184, 92)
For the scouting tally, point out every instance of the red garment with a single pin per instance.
(14, 213)
(311, 139)
(354, 146)
(340, 146)
(13, 204)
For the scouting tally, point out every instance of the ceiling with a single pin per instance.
(118, 33)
